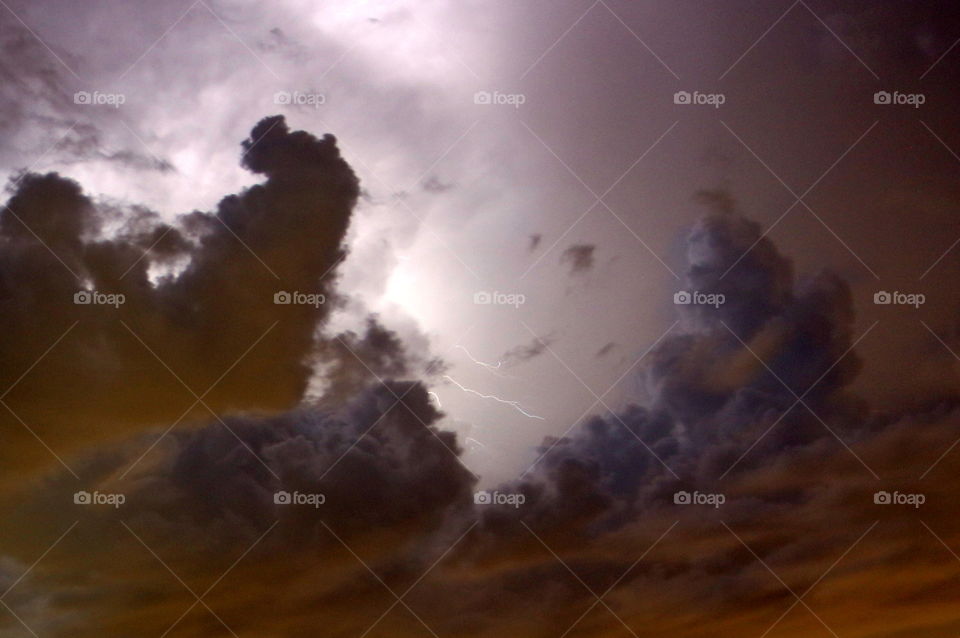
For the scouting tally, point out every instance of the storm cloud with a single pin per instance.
(238, 392)
(114, 320)
(398, 505)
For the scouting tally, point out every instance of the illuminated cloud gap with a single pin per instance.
(514, 404)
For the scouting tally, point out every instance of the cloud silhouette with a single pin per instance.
(198, 313)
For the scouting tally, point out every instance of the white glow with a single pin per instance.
(406, 291)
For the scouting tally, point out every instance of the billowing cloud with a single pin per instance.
(597, 511)
(184, 319)
(376, 472)
(722, 380)
(349, 361)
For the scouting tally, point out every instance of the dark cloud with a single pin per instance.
(527, 351)
(729, 255)
(387, 477)
(213, 321)
(355, 361)
(599, 498)
(396, 497)
(378, 458)
(578, 257)
(595, 502)
(711, 397)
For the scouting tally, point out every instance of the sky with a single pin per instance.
(474, 318)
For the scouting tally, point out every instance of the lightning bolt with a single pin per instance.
(436, 398)
(513, 404)
(489, 366)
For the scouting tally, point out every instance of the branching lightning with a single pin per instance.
(514, 404)
(489, 366)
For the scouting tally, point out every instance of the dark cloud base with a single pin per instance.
(399, 511)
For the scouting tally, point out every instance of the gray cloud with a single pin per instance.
(578, 257)
(527, 351)
(41, 118)
(434, 185)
